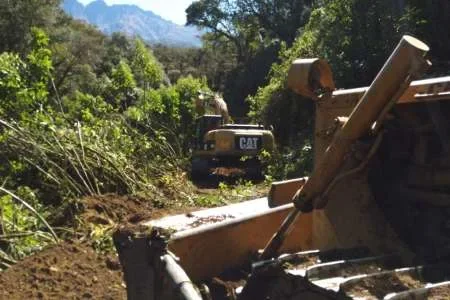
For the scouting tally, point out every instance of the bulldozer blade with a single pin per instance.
(395, 204)
(210, 241)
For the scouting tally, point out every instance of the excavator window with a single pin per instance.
(204, 124)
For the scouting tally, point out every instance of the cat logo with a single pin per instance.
(248, 143)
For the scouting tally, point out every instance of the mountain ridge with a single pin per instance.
(133, 21)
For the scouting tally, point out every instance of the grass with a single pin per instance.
(231, 193)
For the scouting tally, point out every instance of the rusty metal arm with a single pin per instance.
(405, 63)
(425, 90)
(281, 192)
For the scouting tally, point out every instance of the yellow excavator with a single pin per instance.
(371, 222)
(219, 144)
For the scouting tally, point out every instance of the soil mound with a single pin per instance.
(66, 271)
(117, 209)
(73, 270)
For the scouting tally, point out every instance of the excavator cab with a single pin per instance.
(204, 124)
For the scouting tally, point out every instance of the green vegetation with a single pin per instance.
(263, 37)
(356, 38)
(77, 121)
(231, 193)
(84, 114)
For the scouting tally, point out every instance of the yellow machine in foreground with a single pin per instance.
(371, 222)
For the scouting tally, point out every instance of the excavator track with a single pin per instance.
(340, 274)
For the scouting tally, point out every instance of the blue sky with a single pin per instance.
(172, 10)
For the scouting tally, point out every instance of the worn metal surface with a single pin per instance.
(432, 89)
(281, 192)
(137, 265)
(211, 248)
(342, 102)
(307, 75)
(182, 222)
(181, 286)
(405, 63)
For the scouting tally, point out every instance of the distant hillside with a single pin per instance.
(133, 20)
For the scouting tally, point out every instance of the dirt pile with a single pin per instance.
(109, 209)
(72, 269)
(440, 293)
(65, 271)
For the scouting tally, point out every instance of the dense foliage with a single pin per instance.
(264, 37)
(355, 37)
(81, 114)
(249, 33)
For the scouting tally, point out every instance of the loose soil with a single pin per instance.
(302, 262)
(440, 293)
(110, 209)
(65, 271)
(72, 269)
(355, 269)
(209, 220)
(378, 286)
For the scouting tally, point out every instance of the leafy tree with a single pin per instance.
(187, 88)
(40, 64)
(86, 108)
(220, 17)
(12, 85)
(276, 19)
(356, 37)
(146, 68)
(252, 31)
(23, 84)
(78, 53)
(17, 17)
(168, 112)
(116, 48)
(123, 85)
(198, 62)
(249, 23)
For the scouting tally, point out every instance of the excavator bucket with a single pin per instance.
(380, 227)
